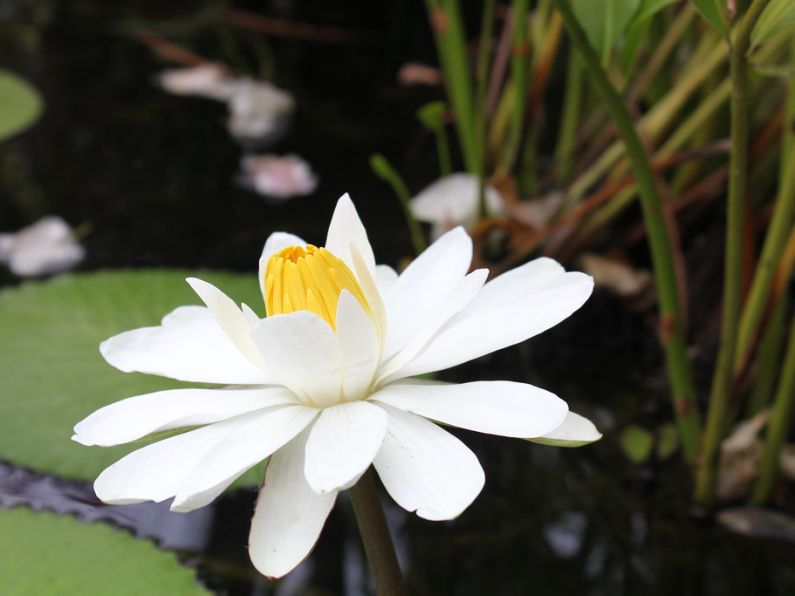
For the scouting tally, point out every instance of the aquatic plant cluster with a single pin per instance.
(564, 151)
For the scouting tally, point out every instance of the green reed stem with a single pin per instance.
(672, 334)
(738, 187)
(775, 241)
(767, 360)
(375, 536)
(448, 31)
(779, 425)
(484, 59)
(567, 132)
(384, 170)
(520, 76)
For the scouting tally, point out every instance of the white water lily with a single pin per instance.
(324, 387)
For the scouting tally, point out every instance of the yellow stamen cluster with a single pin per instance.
(308, 278)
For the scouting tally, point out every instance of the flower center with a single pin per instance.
(308, 278)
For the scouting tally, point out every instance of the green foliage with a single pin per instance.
(714, 12)
(778, 16)
(46, 554)
(52, 371)
(604, 22)
(638, 27)
(20, 104)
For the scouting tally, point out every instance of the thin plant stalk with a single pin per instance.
(448, 31)
(520, 75)
(779, 425)
(672, 334)
(768, 360)
(738, 186)
(375, 537)
(567, 132)
(432, 117)
(384, 170)
(775, 241)
(484, 59)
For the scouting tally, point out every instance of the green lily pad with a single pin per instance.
(20, 104)
(47, 554)
(53, 374)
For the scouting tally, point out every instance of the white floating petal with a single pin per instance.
(276, 176)
(47, 246)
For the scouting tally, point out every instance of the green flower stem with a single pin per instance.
(484, 59)
(384, 170)
(448, 31)
(432, 116)
(672, 334)
(375, 536)
(780, 421)
(738, 187)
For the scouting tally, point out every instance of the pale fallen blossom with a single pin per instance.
(258, 110)
(47, 246)
(278, 176)
(328, 384)
(414, 73)
(454, 201)
(207, 80)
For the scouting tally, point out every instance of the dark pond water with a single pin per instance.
(151, 178)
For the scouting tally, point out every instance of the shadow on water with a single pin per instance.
(153, 177)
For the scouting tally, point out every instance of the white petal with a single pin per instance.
(136, 417)
(342, 444)
(495, 407)
(458, 300)
(370, 290)
(154, 472)
(426, 469)
(424, 286)
(385, 278)
(512, 308)
(302, 351)
(359, 348)
(289, 516)
(262, 434)
(275, 242)
(346, 229)
(229, 317)
(188, 345)
(575, 431)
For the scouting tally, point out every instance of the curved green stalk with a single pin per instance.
(768, 359)
(375, 536)
(738, 183)
(384, 170)
(567, 132)
(672, 334)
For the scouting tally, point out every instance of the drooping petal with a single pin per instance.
(302, 351)
(261, 435)
(424, 286)
(385, 278)
(359, 348)
(495, 407)
(289, 516)
(135, 417)
(426, 469)
(347, 229)
(342, 444)
(512, 308)
(230, 318)
(154, 472)
(275, 242)
(459, 299)
(574, 431)
(188, 345)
